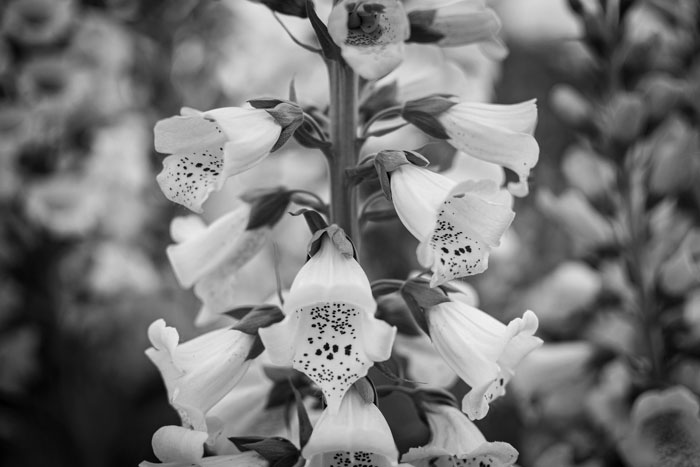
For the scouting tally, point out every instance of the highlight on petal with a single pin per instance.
(456, 442)
(501, 134)
(480, 349)
(468, 226)
(356, 434)
(330, 332)
(370, 34)
(200, 372)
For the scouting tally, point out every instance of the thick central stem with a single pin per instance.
(344, 120)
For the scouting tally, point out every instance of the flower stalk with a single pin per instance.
(343, 131)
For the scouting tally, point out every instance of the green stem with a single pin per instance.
(343, 129)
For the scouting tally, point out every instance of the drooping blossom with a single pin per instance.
(496, 133)
(200, 372)
(329, 332)
(483, 351)
(208, 147)
(454, 23)
(354, 436)
(457, 224)
(208, 257)
(370, 34)
(456, 442)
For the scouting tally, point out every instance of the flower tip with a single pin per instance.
(162, 337)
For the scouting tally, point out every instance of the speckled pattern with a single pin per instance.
(385, 32)
(188, 179)
(484, 460)
(329, 350)
(355, 459)
(457, 254)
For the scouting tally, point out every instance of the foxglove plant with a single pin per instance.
(328, 337)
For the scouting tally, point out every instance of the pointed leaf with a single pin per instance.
(305, 427)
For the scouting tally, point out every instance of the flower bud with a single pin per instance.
(681, 272)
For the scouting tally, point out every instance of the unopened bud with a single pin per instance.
(624, 118)
(570, 105)
(682, 271)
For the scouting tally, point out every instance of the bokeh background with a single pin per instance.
(83, 224)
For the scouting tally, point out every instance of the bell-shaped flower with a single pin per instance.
(209, 257)
(454, 23)
(356, 435)
(664, 429)
(423, 363)
(456, 442)
(457, 224)
(496, 133)
(208, 147)
(483, 351)
(200, 372)
(329, 332)
(176, 446)
(370, 34)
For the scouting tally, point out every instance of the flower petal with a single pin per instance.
(375, 45)
(178, 135)
(200, 372)
(217, 288)
(333, 343)
(203, 253)
(189, 179)
(496, 133)
(468, 226)
(354, 432)
(176, 443)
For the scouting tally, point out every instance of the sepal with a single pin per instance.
(279, 452)
(388, 161)
(422, 113)
(267, 206)
(313, 219)
(330, 49)
(420, 297)
(338, 238)
(287, 114)
(258, 317)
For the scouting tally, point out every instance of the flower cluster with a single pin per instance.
(315, 352)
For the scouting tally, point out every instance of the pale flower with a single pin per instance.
(454, 23)
(456, 442)
(329, 332)
(370, 34)
(496, 133)
(483, 351)
(457, 224)
(38, 22)
(208, 257)
(200, 372)
(355, 435)
(209, 147)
